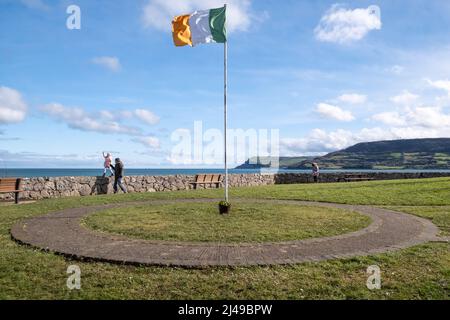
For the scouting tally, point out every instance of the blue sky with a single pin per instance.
(326, 74)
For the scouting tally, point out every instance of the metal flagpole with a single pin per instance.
(225, 111)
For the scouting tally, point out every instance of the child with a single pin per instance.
(107, 164)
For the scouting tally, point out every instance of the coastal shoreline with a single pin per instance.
(56, 187)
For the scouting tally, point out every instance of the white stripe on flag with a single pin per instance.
(200, 29)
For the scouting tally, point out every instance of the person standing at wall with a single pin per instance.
(315, 172)
(118, 176)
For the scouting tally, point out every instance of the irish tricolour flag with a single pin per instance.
(205, 26)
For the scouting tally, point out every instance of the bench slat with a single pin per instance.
(203, 179)
(11, 185)
(8, 186)
(208, 182)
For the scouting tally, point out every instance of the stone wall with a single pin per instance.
(43, 188)
(290, 178)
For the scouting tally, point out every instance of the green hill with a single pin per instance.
(395, 154)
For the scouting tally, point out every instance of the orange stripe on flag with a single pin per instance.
(181, 31)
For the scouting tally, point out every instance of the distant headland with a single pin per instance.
(411, 154)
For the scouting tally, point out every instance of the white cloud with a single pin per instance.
(389, 118)
(440, 84)
(77, 118)
(127, 114)
(13, 109)
(319, 141)
(443, 101)
(27, 159)
(143, 115)
(418, 117)
(333, 112)
(111, 63)
(103, 121)
(146, 116)
(397, 69)
(341, 25)
(405, 98)
(158, 14)
(108, 115)
(150, 142)
(35, 4)
(427, 117)
(409, 123)
(353, 98)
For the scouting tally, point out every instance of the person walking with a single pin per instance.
(315, 172)
(118, 176)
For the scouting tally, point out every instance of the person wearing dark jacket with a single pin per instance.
(118, 176)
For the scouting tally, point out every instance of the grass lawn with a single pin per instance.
(421, 272)
(249, 222)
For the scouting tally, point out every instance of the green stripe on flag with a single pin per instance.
(217, 18)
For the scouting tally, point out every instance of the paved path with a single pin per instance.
(61, 233)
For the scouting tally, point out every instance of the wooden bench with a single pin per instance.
(207, 179)
(355, 178)
(11, 185)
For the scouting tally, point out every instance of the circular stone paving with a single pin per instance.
(62, 233)
(250, 222)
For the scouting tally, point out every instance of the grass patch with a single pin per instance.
(249, 222)
(421, 272)
(418, 192)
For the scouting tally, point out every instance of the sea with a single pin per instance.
(64, 172)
